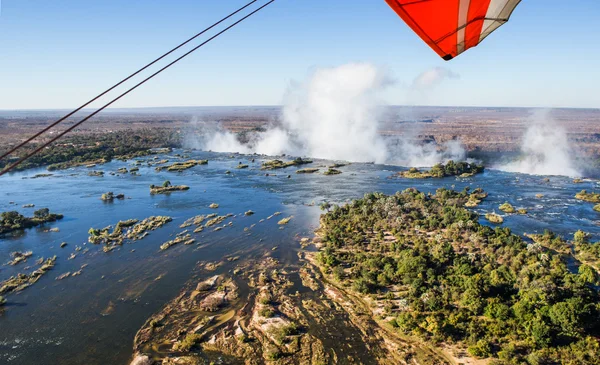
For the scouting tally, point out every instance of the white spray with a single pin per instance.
(335, 115)
(545, 149)
(213, 138)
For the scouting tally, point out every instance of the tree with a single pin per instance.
(481, 350)
(570, 316)
(41, 213)
(588, 275)
(12, 218)
(581, 237)
(325, 206)
(539, 332)
(166, 184)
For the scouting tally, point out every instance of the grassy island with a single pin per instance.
(278, 164)
(307, 171)
(14, 221)
(494, 218)
(22, 281)
(588, 197)
(507, 208)
(451, 168)
(167, 188)
(110, 196)
(130, 229)
(332, 171)
(181, 166)
(430, 270)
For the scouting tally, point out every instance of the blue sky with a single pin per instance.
(59, 53)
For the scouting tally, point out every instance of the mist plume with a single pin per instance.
(335, 114)
(545, 149)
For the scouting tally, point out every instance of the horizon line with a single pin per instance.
(280, 106)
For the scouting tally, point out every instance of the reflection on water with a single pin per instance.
(92, 318)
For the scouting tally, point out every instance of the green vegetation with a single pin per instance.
(110, 196)
(580, 248)
(284, 221)
(507, 208)
(104, 236)
(14, 221)
(332, 171)
(189, 342)
(475, 198)
(278, 164)
(213, 219)
(307, 171)
(266, 312)
(440, 275)
(588, 197)
(167, 188)
(19, 257)
(181, 166)
(130, 229)
(185, 239)
(494, 218)
(597, 208)
(79, 149)
(22, 281)
(451, 168)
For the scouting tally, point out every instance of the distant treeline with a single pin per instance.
(81, 148)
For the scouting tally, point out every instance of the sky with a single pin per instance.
(57, 54)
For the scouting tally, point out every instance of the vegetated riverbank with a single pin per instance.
(426, 267)
(408, 275)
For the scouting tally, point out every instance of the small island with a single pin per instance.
(307, 171)
(451, 168)
(22, 281)
(588, 197)
(507, 208)
(130, 229)
(278, 164)
(332, 171)
(167, 188)
(14, 221)
(494, 218)
(180, 166)
(110, 196)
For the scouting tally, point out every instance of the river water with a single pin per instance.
(92, 318)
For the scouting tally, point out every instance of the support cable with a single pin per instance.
(12, 150)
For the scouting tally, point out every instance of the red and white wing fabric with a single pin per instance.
(450, 27)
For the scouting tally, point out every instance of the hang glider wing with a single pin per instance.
(450, 27)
